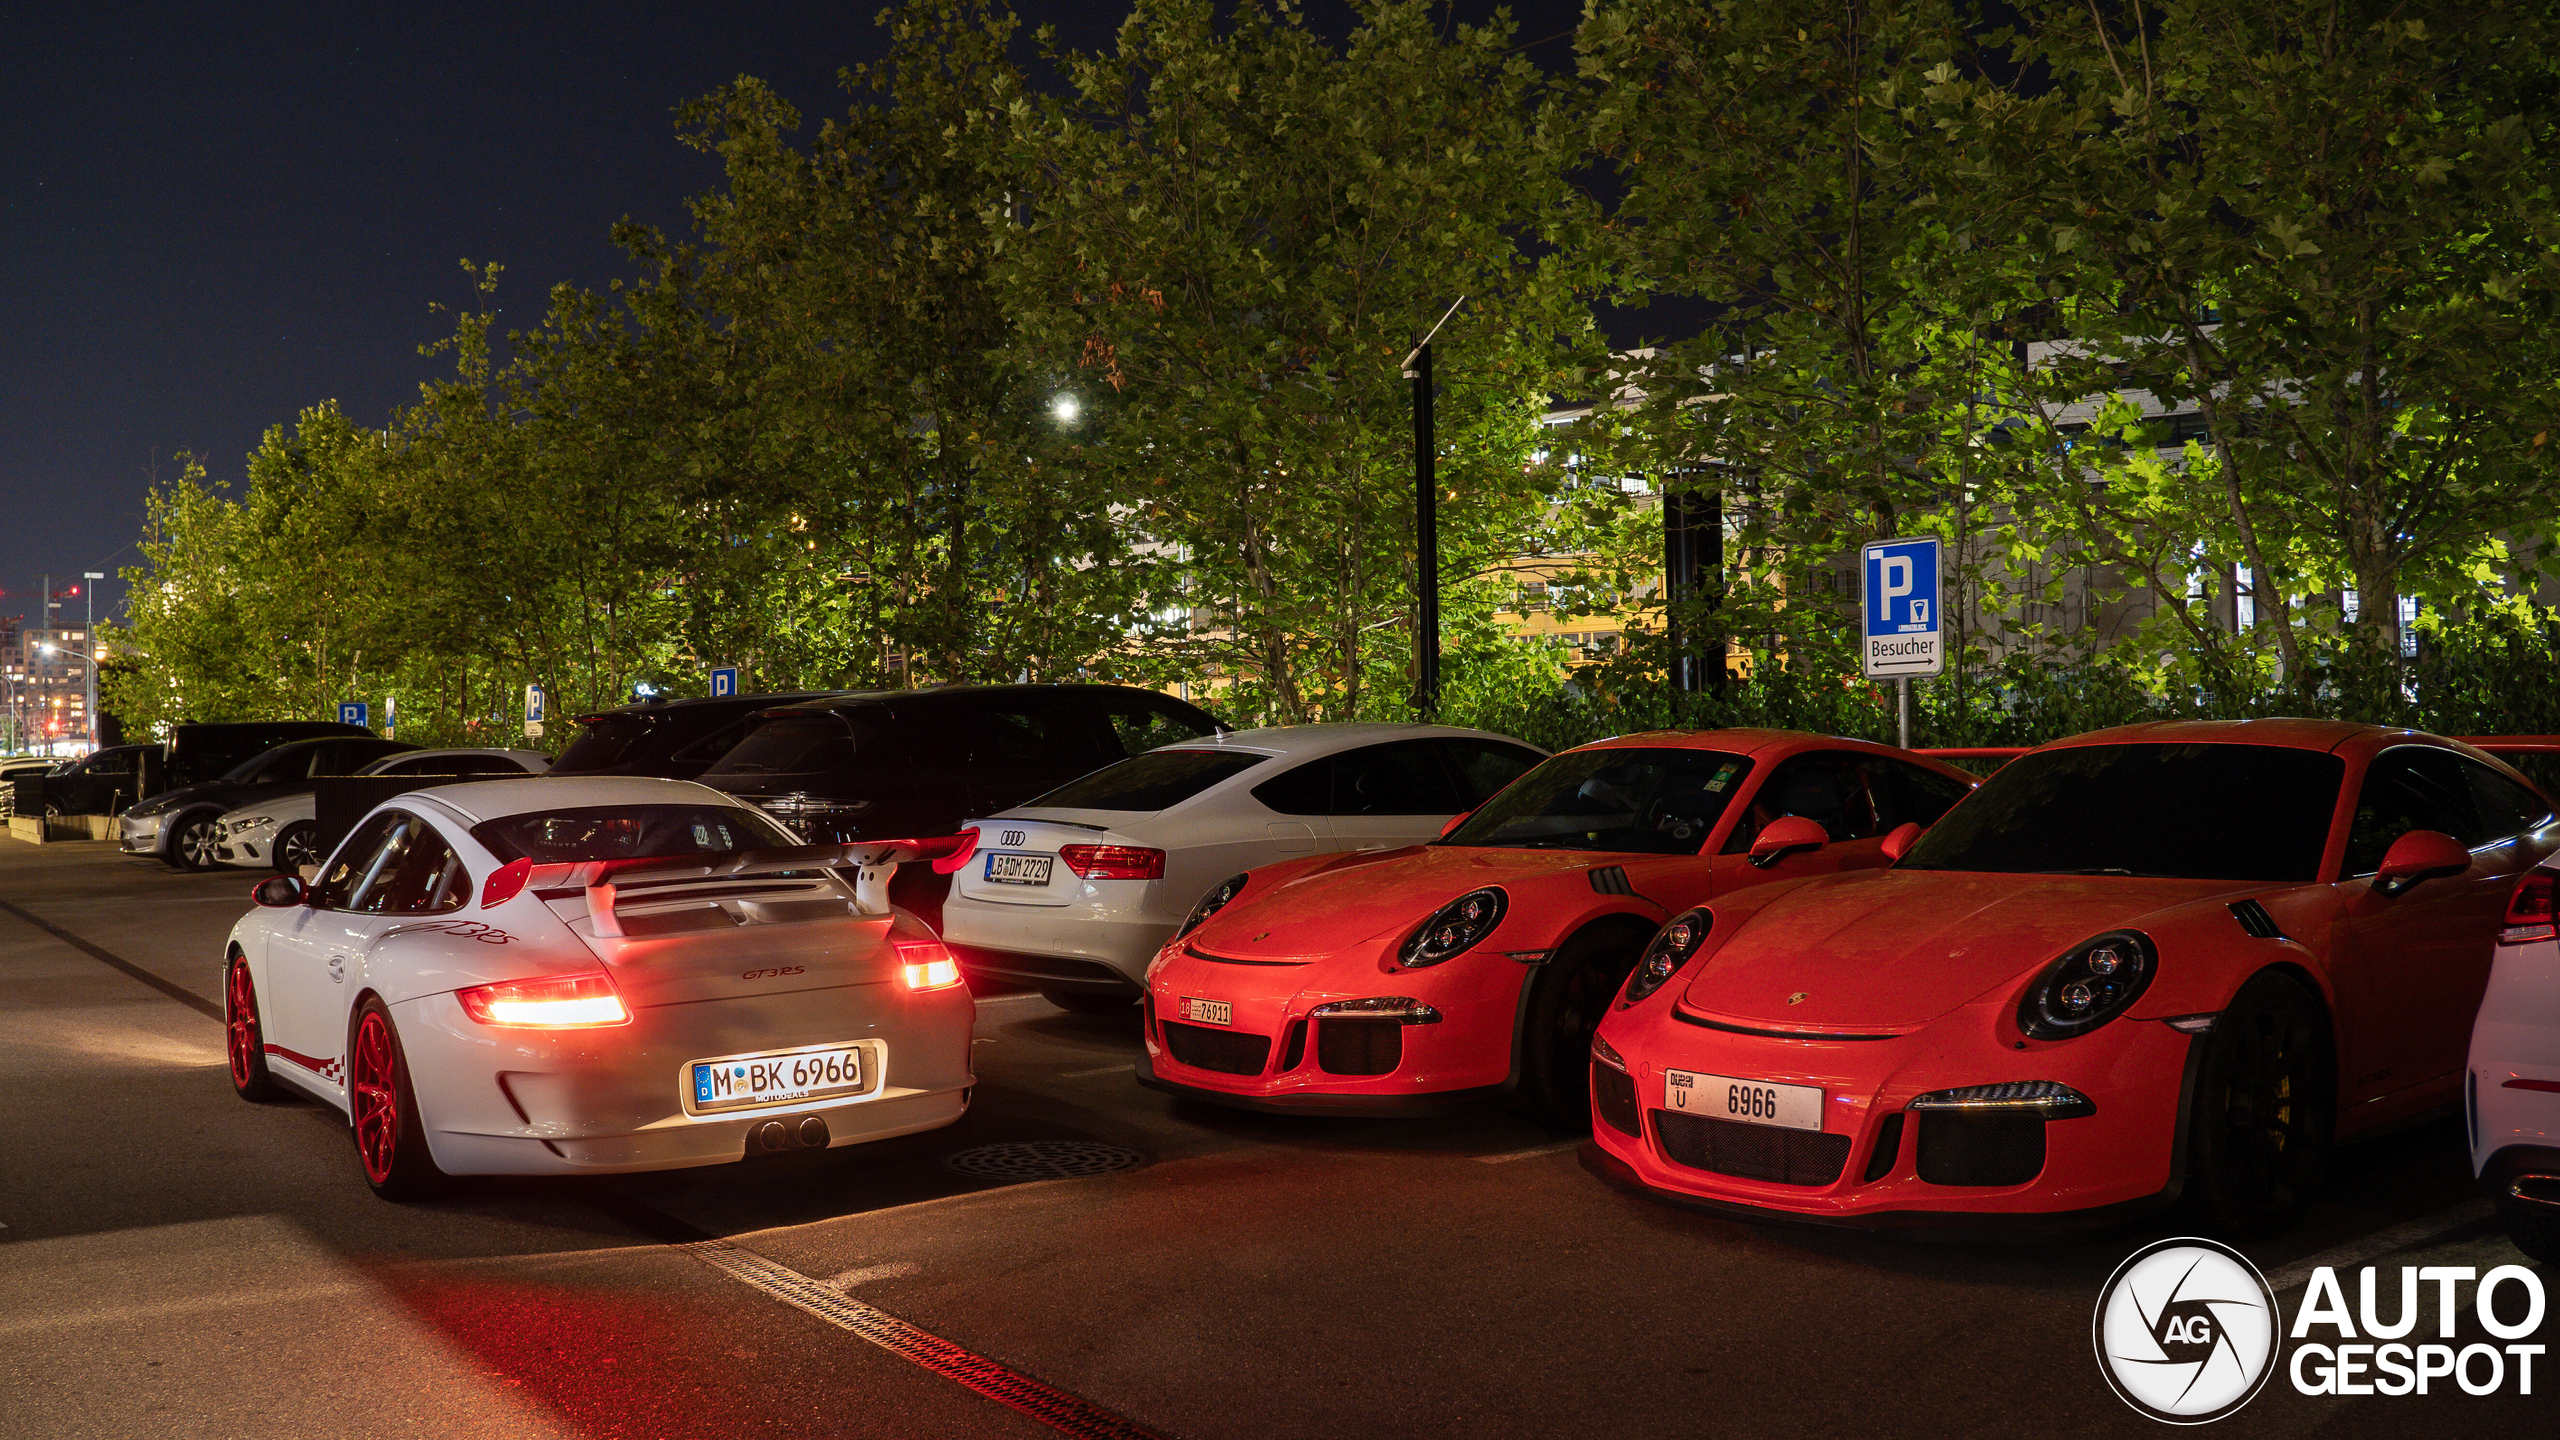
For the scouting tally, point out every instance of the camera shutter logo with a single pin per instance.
(2186, 1331)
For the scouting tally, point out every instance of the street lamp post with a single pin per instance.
(1426, 525)
(89, 632)
(89, 668)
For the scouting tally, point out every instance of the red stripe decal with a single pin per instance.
(2521, 1084)
(325, 1069)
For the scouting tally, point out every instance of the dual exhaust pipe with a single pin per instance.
(809, 1132)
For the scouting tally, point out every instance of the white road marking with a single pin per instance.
(2381, 1242)
(894, 1270)
(1510, 1155)
(1105, 1070)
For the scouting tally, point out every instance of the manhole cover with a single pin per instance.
(1044, 1160)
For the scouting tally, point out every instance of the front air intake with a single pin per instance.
(1981, 1147)
(1225, 1051)
(1359, 1047)
(1751, 1152)
(1613, 1099)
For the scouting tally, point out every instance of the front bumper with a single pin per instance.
(250, 846)
(1280, 1054)
(1866, 1166)
(522, 1102)
(142, 836)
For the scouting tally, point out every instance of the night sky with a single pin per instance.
(212, 221)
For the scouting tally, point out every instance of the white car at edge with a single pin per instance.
(2512, 1091)
(1074, 892)
(283, 833)
(591, 975)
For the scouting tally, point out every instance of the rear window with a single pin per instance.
(609, 740)
(1158, 780)
(628, 832)
(794, 745)
(1626, 799)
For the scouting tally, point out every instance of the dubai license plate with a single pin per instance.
(739, 1082)
(1753, 1102)
(1020, 869)
(1208, 1012)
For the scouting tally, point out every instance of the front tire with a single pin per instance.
(1555, 1063)
(296, 845)
(391, 1142)
(195, 840)
(1078, 1002)
(2265, 1111)
(247, 1038)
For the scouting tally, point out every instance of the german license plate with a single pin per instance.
(1208, 1012)
(739, 1082)
(1753, 1102)
(1020, 869)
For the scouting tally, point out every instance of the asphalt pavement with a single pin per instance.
(174, 1262)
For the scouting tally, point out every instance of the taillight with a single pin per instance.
(927, 965)
(1113, 862)
(2530, 910)
(557, 1002)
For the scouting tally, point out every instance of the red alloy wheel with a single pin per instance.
(374, 1076)
(245, 1069)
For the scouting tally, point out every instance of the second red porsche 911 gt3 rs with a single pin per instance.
(1399, 981)
(2159, 959)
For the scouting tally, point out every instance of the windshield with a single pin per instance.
(2189, 812)
(1157, 780)
(246, 772)
(628, 832)
(608, 740)
(1650, 801)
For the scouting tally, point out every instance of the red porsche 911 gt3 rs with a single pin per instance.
(1400, 981)
(2159, 959)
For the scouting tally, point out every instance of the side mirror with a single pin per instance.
(1785, 836)
(1455, 821)
(277, 892)
(1899, 840)
(2419, 855)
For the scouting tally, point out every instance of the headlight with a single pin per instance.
(1453, 928)
(251, 822)
(1210, 904)
(2090, 985)
(1671, 948)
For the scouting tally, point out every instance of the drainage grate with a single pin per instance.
(1043, 1160)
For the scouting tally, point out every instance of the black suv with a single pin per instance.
(669, 739)
(895, 764)
(183, 826)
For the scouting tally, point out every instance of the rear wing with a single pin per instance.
(798, 882)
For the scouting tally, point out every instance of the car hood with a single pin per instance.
(1346, 900)
(1890, 950)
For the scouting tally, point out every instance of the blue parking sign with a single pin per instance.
(1899, 604)
(724, 682)
(353, 712)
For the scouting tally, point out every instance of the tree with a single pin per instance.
(1231, 232)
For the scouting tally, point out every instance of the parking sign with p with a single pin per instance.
(1899, 609)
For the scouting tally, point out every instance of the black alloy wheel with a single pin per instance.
(2265, 1110)
(1571, 995)
(195, 840)
(296, 845)
(1080, 1002)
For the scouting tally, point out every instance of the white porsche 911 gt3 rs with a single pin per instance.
(594, 975)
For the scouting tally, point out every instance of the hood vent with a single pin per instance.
(2253, 917)
(1611, 880)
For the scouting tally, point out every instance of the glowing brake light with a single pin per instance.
(928, 966)
(1113, 862)
(2530, 910)
(561, 1002)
